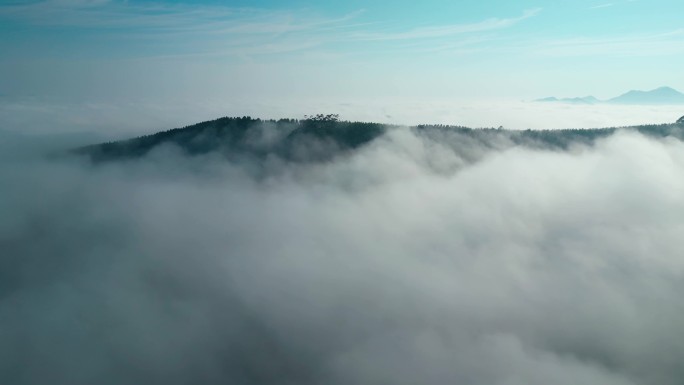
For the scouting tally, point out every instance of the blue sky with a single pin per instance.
(107, 50)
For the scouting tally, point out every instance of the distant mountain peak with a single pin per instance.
(583, 100)
(549, 99)
(660, 95)
(660, 90)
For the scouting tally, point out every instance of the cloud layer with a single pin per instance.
(403, 263)
(118, 120)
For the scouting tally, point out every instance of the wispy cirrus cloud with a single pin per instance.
(167, 18)
(645, 44)
(217, 30)
(182, 30)
(611, 4)
(606, 5)
(448, 30)
(72, 3)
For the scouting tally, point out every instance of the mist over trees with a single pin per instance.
(322, 137)
(318, 251)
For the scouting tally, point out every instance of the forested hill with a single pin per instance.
(322, 137)
(317, 138)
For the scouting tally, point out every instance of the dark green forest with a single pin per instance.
(323, 137)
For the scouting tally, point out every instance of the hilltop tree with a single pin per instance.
(322, 118)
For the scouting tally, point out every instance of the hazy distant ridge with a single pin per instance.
(662, 95)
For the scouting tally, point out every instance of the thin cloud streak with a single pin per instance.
(215, 30)
(649, 44)
(602, 6)
(166, 18)
(449, 30)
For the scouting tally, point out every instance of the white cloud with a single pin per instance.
(401, 264)
(636, 45)
(448, 30)
(118, 120)
(606, 5)
(222, 30)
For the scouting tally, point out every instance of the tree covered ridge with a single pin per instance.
(313, 138)
(322, 137)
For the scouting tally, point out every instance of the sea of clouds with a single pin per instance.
(401, 263)
(113, 120)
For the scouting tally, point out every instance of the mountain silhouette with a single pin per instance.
(662, 95)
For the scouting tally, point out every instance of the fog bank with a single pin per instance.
(114, 120)
(402, 263)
